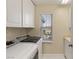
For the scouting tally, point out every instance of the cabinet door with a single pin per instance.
(68, 50)
(13, 13)
(70, 18)
(40, 48)
(28, 13)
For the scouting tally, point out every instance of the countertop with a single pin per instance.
(21, 51)
(68, 38)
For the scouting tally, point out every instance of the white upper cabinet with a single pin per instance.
(28, 13)
(13, 13)
(70, 19)
(20, 13)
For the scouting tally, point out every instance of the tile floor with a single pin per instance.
(53, 56)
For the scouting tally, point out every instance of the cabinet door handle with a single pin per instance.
(70, 45)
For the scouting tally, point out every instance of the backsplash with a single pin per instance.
(12, 33)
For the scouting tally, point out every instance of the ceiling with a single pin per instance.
(48, 2)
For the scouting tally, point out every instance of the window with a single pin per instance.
(46, 27)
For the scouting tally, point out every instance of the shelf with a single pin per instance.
(47, 41)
